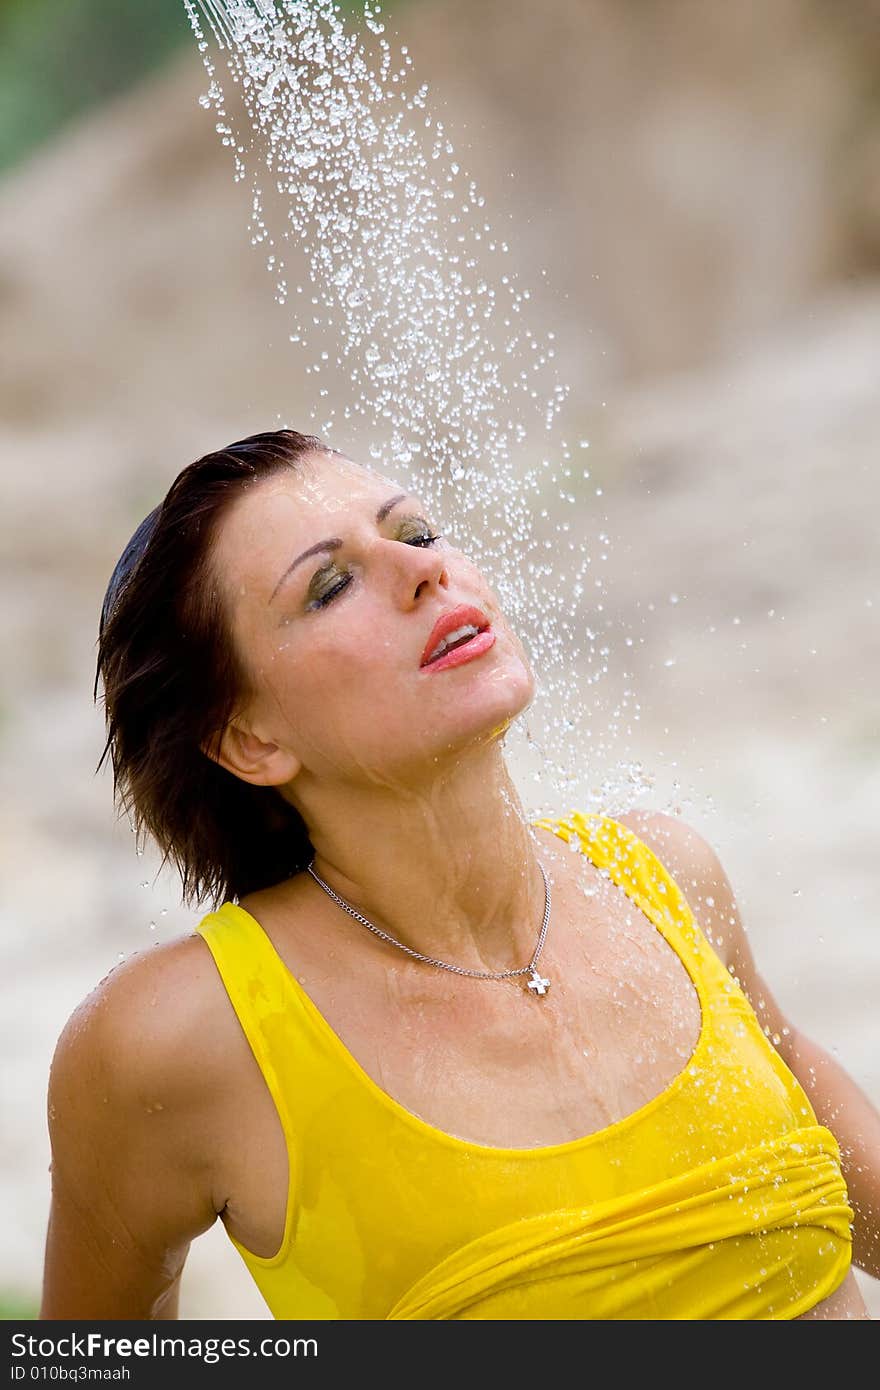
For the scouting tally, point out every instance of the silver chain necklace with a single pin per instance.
(538, 984)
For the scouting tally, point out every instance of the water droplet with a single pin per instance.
(416, 292)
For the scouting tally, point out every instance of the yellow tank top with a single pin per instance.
(720, 1198)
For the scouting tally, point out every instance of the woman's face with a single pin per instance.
(335, 581)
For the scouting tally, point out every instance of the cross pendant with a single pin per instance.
(539, 983)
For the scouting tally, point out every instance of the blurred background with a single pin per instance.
(691, 191)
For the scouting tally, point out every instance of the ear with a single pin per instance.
(246, 756)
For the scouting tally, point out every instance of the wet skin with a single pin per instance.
(343, 720)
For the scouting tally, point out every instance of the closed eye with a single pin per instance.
(427, 539)
(415, 530)
(325, 596)
(329, 582)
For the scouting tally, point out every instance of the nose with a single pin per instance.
(418, 571)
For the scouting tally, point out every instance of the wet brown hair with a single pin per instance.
(172, 680)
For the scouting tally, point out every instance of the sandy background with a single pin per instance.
(700, 183)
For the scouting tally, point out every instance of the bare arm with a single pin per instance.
(839, 1103)
(130, 1188)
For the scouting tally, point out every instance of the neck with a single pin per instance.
(450, 869)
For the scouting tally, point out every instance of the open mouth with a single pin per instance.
(458, 635)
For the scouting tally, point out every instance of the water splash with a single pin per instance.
(347, 160)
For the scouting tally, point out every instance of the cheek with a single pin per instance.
(476, 582)
(517, 645)
(469, 571)
(351, 668)
(340, 706)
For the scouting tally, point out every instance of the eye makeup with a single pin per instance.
(330, 580)
(325, 584)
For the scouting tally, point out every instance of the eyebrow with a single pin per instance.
(334, 542)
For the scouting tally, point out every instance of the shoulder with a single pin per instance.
(132, 1111)
(672, 839)
(153, 997)
(144, 1036)
(690, 859)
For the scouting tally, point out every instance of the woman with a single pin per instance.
(423, 1060)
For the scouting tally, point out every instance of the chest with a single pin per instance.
(490, 1062)
(494, 1063)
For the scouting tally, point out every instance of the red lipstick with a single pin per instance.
(460, 635)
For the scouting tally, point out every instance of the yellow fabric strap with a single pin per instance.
(793, 1181)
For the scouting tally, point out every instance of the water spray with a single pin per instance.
(413, 302)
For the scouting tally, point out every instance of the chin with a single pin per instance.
(485, 713)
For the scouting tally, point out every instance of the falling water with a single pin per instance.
(428, 326)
